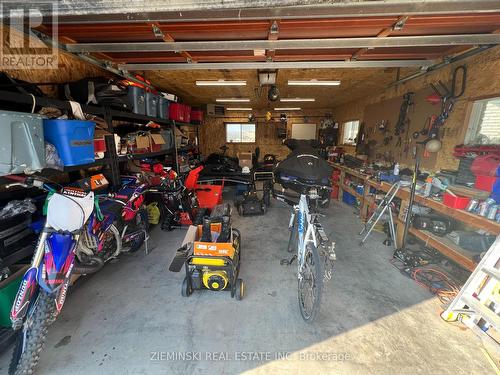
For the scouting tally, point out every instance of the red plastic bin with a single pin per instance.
(455, 201)
(176, 112)
(485, 182)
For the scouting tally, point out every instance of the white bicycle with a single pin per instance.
(315, 253)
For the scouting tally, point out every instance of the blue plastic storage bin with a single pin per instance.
(349, 198)
(73, 139)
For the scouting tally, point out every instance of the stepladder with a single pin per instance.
(477, 304)
(385, 206)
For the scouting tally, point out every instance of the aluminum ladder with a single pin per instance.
(478, 303)
(383, 206)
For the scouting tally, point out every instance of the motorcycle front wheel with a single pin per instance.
(31, 337)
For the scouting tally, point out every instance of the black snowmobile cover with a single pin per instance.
(302, 165)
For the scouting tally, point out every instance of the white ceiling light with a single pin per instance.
(287, 109)
(238, 109)
(232, 100)
(221, 82)
(297, 100)
(313, 82)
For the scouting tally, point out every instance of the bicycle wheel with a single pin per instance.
(310, 284)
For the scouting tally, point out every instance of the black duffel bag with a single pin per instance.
(303, 167)
(102, 91)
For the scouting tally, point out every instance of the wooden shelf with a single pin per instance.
(145, 155)
(446, 247)
(468, 218)
(350, 190)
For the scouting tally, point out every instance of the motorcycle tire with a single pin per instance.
(200, 214)
(167, 223)
(93, 265)
(141, 223)
(31, 338)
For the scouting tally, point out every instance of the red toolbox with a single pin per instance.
(176, 112)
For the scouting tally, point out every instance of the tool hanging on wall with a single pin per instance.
(403, 120)
(449, 95)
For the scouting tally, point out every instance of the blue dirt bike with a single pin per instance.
(44, 287)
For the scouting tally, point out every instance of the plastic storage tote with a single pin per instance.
(163, 108)
(73, 139)
(151, 104)
(177, 112)
(137, 99)
(22, 146)
(196, 116)
(168, 137)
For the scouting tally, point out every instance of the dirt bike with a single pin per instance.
(120, 225)
(44, 286)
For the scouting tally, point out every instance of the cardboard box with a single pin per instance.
(157, 141)
(245, 159)
(219, 249)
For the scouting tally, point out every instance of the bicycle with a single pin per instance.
(315, 253)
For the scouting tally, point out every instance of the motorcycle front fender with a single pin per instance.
(58, 261)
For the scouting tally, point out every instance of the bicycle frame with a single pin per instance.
(301, 211)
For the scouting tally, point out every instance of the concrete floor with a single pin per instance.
(131, 319)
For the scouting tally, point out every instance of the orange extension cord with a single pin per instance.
(437, 282)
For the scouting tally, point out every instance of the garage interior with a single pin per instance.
(178, 119)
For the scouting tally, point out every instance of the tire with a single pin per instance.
(93, 265)
(186, 289)
(24, 363)
(167, 223)
(266, 197)
(314, 275)
(241, 210)
(141, 223)
(240, 290)
(200, 214)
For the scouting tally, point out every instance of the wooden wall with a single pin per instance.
(483, 80)
(70, 68)
(213, 132)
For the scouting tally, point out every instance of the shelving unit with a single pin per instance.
(109, 115)
(441, 244)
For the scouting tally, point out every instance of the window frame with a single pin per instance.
(476, 109)
(344, 124)
(241, 124)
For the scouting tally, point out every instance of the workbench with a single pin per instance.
(442, 244)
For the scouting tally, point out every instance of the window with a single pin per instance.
(240, 133)
(484, 123)
(350, 132)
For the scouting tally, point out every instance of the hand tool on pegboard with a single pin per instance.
(403, 113)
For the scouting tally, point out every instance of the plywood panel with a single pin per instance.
(212, 132)
(483, 80)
